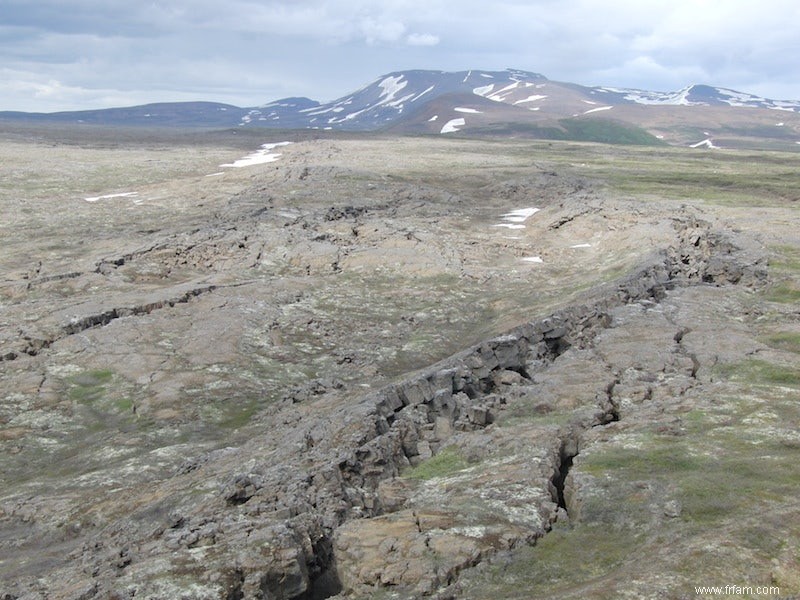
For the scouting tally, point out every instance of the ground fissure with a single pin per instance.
(340, 416)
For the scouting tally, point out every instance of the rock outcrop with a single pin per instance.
(259, 448)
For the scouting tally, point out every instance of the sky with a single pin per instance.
(84, 54)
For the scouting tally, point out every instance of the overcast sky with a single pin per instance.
(78, 54)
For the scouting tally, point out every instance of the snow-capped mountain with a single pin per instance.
(478, 102)
(394, 98)
(385, 100)
(693, 95)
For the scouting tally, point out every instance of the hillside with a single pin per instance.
(510, 102)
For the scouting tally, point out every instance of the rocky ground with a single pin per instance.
(371, 369)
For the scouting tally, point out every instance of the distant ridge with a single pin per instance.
(479, 102)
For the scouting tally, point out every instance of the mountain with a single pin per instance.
(162, 114)
(382, 102)
(510, 102)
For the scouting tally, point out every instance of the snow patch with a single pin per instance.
(518, 226)
(484, 90)
(707, 143)
(420, 95)
(390, 87)
(520, 215)
(472, 111)
(598, 109)
(500, 95)
(109, 196)
(679, 98)
(433, 118)
(258, 157)
(516, 218)
(581, 246)
(532, 259)
(453, 125)
(533, 98)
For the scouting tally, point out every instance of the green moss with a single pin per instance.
(785, 340)
(125, 405)
(605, 131)
(786, 292)
(757, 371)
(239, 416)
(655, 458)
(446, 462)
(787, 259)
(527, 414)
(565, 559)
(739, 480)
(89, 387)
(608, 132)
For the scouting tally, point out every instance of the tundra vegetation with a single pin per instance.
(296, 378)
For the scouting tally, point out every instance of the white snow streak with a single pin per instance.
(516, 218)
(533, 259)
(499, 95)
(453, 125)
(109, 196)
(520, 215)
(706, 142)
(461, 109)
(680, 98)
(258, 157)
(598, 109)
(514, 225)
(390, 86)
(420, 95)
(533, 98)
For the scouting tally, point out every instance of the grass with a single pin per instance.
(760, 372)
(447, 462)
(612, 539)
(90, 386)
(604, 131)
(238, 416)
(787, 292)
(658, 457)
(785, 259)
(785, 340)
(565, 560)
(735, 178)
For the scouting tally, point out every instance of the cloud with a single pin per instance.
(381, 30)
(422, 39)
(248, 52)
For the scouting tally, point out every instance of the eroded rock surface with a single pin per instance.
(341, 379)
